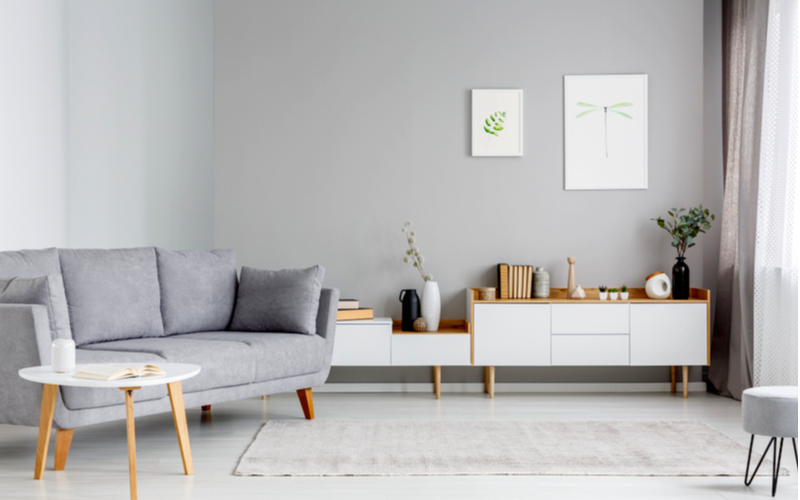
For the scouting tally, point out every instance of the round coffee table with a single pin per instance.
(175, 372)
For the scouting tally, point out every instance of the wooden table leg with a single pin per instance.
(63, 442)
(179, 416)
(491, 381)
(673, 378)
(685, 381)
(131, 438)
(49, 394)
(437, 381)
(486, 379)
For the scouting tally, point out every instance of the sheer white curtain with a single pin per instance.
(778, 229)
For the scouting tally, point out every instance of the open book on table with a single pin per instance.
(116, 371)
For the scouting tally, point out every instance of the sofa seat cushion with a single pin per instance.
(112, 294)
(198, 289)
(223, 363)
(277, 355)
(80, 398)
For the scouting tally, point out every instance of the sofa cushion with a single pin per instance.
(112, 294)
(29, 263)
(198, 289)
(47, 291)
(224, 364)
(79, 398)
(278, 301)
(35, 264)
(277, 355)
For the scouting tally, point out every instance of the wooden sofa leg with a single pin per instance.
(206, 407)
(63, 441)
(307, 402)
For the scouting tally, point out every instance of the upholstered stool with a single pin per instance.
(770, 411)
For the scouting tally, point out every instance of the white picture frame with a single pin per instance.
(605, 132)
(497, 122)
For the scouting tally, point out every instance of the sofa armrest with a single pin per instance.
(326, 321)
(24, 341)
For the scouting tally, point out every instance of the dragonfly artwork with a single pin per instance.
(605, 109)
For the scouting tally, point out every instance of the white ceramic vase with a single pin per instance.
(624, 295)
(603, 295)
(658, 286)
(613, 295)
(431, 305)
(62, 355)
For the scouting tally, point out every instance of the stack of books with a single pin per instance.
(349, 310)
(515, 282)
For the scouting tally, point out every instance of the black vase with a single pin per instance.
(680, 280)
(411, 307)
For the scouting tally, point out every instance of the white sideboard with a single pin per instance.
(590, 332)
(541, 332)
(381, 342)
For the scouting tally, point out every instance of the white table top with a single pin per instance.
(46, 375)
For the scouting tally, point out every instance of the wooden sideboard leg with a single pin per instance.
(179, 416)
(685, 381)
(264, 397)
(486, 379)
(307, 402)
(63, 441)
(673, 378)
(491, 381)
(49, 394)
(437, 381)
(206, 407)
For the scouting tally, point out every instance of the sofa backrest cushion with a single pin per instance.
(283, 301)
(112, 294)
(198, 290)
(47, 291)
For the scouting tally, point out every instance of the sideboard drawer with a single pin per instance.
(590, 350)
(431, 349)
(362, 344)
(590, 318)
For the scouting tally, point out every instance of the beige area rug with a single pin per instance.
(404, 448)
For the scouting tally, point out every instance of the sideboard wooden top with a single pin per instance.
(637, 296)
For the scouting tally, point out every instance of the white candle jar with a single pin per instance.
(62, 353)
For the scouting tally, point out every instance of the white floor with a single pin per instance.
(98, 467)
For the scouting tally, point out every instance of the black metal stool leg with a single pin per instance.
(750, 454)
(794, 443)
(776, 467)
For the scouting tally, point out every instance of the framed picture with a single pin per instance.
(605, 132)
(496, 122)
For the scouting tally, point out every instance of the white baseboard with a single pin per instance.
(511, 387)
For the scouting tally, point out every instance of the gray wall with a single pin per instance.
(141, 123)
(337, 121)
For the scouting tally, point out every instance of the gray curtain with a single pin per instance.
(744, 32)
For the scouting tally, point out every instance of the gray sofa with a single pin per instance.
(148, 305)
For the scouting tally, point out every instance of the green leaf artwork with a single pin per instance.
(494, 124)
(605, 109)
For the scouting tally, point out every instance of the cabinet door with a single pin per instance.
(669, 334)
(590, 350)
(592, 319)
(362, 345)
(512, 334)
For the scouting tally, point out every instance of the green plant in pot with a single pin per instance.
(603, 292)
(613, 293)
(623, 292)
(684, 229)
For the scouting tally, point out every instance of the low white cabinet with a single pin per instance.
(381, 342)
(561, 332)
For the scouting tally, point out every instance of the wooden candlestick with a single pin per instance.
(571, 285)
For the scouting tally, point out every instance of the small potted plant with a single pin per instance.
(613, 293)
(623, 292)
(603, 292)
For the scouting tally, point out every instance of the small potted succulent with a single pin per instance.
(623, 292)
(613, 293)
(603, 292)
